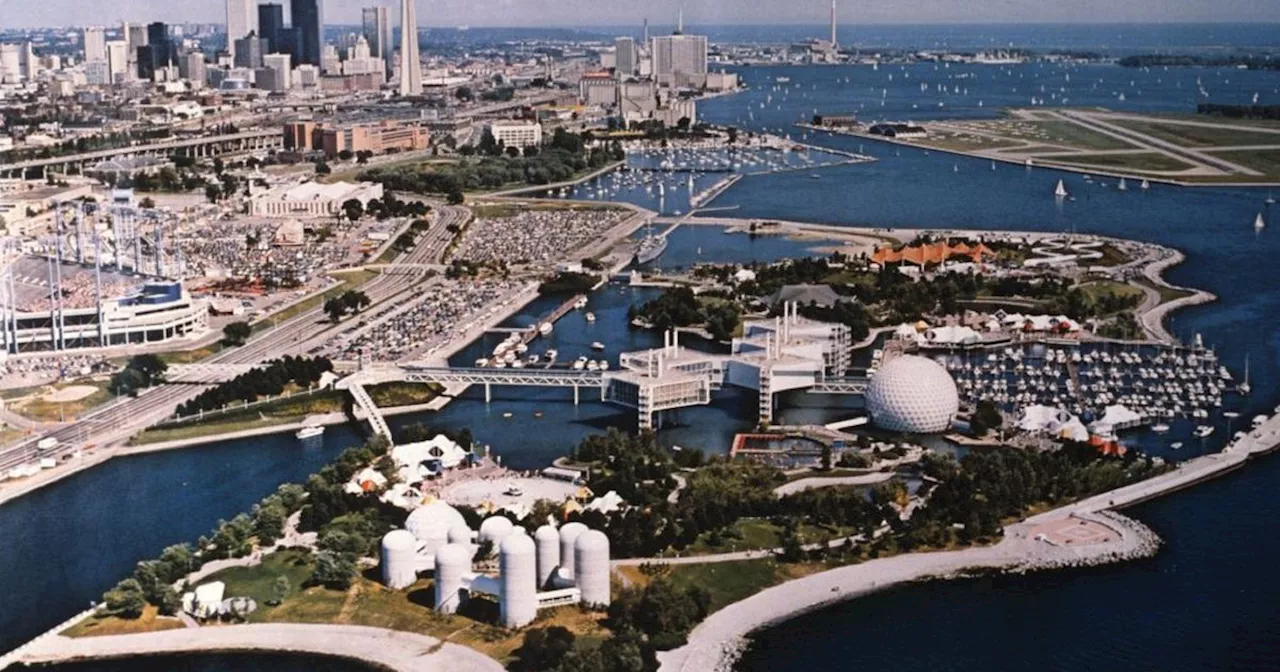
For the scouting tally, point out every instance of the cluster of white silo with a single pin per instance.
(552, 568)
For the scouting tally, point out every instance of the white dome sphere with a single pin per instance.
(432, 522)
(912, 394)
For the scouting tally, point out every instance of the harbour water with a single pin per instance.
(1205, 602)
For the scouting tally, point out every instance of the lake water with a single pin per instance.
(1206, 602)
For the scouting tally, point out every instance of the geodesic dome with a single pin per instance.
(912, 394)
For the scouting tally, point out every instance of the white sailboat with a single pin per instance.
(1146, 185)
(1061, 191)
(1122, 186)
(1258, 223)
(1271, 200)
(1244, 387)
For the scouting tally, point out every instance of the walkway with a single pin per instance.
(401, 651)
(803, 484)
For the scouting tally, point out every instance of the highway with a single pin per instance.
(122, 419)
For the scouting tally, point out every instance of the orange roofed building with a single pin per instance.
(931, 253)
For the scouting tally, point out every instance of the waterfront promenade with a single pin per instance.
(1036, 543)
(391, 649)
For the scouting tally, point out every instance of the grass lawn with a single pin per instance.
(149, 621)
(755, 533)
(1167, 294)
(729, 582)
(965, 142)
(1111, 256)
(1139, 161)
(191, 356)
(50, 411)
(403, 394)
(1265, 161)
(1201, 136)
(280, 412)
(1096, 290)
(1075, 135)
(259, 582)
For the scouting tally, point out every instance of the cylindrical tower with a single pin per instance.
(547, 540)
(430, 525)
(519, 600)
(591, 567)
(453, 561)
(460, 534)
(568, 534)
(494, 529)
(399, 559)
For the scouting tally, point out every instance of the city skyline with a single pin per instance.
(581, 13)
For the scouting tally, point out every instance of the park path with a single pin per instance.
(395, 650)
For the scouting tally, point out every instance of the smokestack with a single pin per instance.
(680, 21)
(646, 30)
(833, 24)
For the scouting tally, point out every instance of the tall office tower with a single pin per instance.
(680, 60)
(410, 63)
(646, 31)
(28, 61)
(307, 17)
(117, 58)
(270, 26)
(249, 51)
(279, 63)
(95, 44)
(158, 52)
(241, 20)
(625, 57)
(377, 32)
(191, 68)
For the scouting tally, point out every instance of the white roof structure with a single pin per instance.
(205, 600)
(1115, 417)
(610, 502)
(368, 475)
(952, 335)
(1052, 421)
(1040, 322)
(422, 460)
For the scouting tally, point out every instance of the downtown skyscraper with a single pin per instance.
(410, 63)
(242, 19)
(377, 32)
(307, 17)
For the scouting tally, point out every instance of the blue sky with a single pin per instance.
(31, 13)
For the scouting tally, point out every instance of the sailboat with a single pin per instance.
(1244, 387)
(1061, 191)
(1271, 200)
(1122, 186)
(993, 165)
(1258, 223)
(1146, 185)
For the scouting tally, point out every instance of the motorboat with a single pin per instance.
(310, 431)
(591, 317)
(597, 345)
(1203, 431)
(545, 328)
(1160, 428)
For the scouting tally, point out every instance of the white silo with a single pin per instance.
(568, 534)
(453, 561)
(591, 567)
(460, 534)
(431, 523)
(399, 559)
(494, 529)
(518, 603)
(547, 540)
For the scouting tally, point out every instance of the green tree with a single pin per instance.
(323, 168)
(236, 333)
(543, 649)
(125, 600)
(334, 570)
(455, 197)
(346, 155)
(280, 589)
(147, 203)
(353, 209)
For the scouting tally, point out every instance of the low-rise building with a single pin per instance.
(516, 133)
(312, 199)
